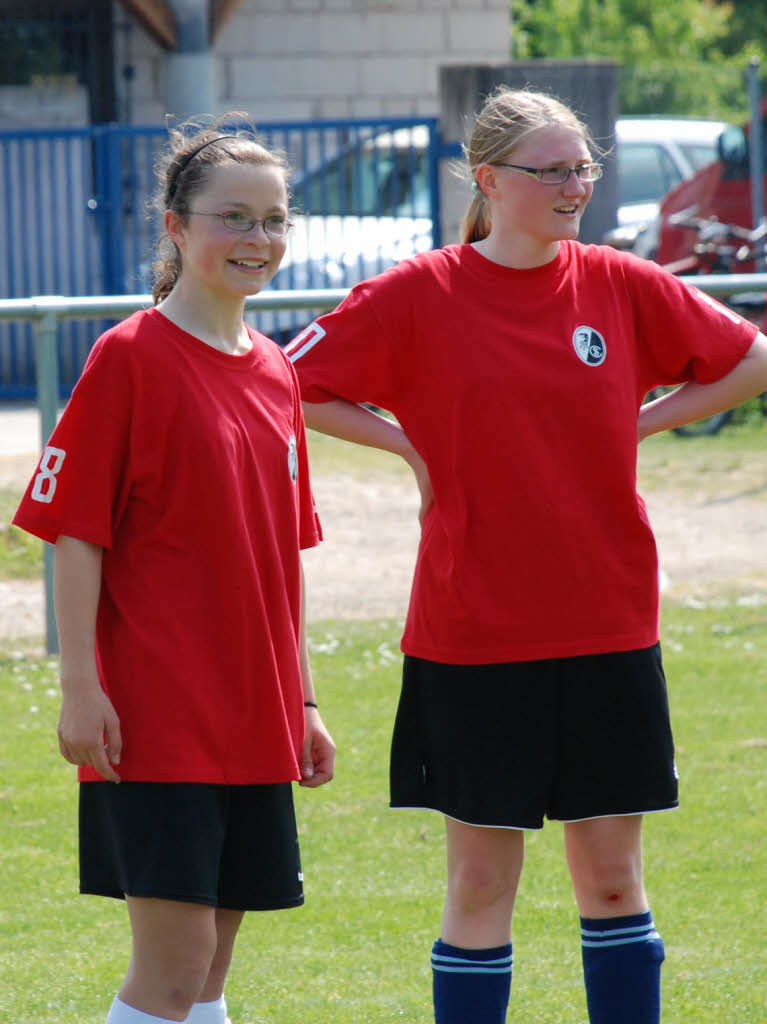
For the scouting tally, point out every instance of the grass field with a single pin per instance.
(20, 554)
(358, 952)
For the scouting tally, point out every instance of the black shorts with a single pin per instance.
(224, 846)
(505, 745)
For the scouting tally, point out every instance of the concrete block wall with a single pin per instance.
(303, 59)
(58, 102)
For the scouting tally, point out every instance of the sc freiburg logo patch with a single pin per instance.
(589, 346)
(293, 458)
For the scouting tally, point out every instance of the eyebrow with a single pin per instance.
(562, 161)
(277, 208)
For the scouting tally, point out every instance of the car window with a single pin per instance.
(645, 172)
(368, 181)
(735, 152)
(698, 153)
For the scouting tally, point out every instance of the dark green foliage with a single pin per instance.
(684, 57)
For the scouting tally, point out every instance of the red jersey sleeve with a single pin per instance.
(361, 350)
(82, 481)
(684, 333)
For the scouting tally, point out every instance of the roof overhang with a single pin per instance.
(159, 21)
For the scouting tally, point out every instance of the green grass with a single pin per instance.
(358, 951)
(21, 555)
(730, 464)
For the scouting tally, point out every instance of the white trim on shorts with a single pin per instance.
(539, 828)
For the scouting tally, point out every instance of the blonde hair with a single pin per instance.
(507, 117)
(195, 148)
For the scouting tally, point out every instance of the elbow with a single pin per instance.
(757, 359)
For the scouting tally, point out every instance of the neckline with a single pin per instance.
(489, 270)
(240, 361)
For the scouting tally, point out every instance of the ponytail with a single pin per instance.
(476, 222)
(166, 269)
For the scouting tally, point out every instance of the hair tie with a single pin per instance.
(188, 159)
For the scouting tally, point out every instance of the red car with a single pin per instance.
(722, 190)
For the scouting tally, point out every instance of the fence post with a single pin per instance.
(756, 152)
(108, 205)
(46, 362)
(435, 153)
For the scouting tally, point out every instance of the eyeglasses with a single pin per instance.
(558, 175)
(275, 227)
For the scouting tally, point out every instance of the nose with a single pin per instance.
(574, 185)
(259, 230)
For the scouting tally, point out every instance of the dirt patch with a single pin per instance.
(15, 470)
(364, 568)
(711, 543)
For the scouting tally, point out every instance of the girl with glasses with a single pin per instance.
(516, 363)
(177, 493)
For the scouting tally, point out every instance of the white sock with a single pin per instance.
(121, 1013)
(208, 1013)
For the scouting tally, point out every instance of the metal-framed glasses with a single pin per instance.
(274, 226)
(558, 175)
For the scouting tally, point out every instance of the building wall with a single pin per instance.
(48, 103)
(304, 59)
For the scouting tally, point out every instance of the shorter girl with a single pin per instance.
(176, 490)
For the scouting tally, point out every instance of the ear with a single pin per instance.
(174, 226)
(486, 176)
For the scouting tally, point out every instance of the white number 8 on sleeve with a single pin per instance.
(44, 486)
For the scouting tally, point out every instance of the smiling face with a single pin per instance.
(216, 260)
(529, 218)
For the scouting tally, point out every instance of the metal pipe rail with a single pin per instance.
(727, 284)
(46, 310)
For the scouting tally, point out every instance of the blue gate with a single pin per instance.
(76, 218)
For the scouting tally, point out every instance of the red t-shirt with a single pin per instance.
(521, 389)
(188, 466)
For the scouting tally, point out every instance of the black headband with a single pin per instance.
(188, 159)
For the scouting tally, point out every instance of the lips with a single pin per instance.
(250, 264)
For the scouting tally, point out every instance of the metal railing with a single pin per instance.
(45, 311)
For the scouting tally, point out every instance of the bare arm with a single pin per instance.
(694, 401)
(355, 423)
(89, 730)
(318, 755)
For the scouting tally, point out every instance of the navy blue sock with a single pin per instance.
(471, 986)
(621, 968)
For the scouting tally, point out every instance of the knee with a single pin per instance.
(187, 979)
(614, 887)
(170, 979)
(477, 885)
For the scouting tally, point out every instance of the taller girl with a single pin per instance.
(177, 493)
(516, 364)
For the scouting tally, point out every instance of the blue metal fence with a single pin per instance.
(76, 218)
